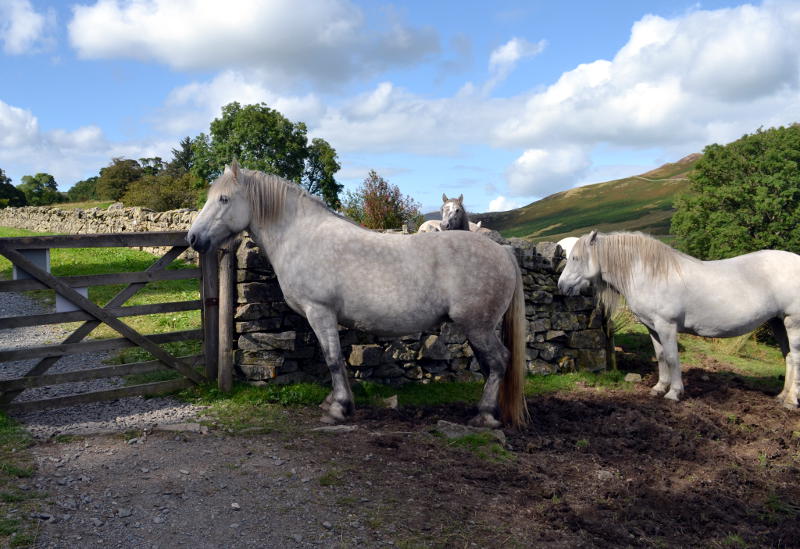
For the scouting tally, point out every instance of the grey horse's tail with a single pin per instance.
(513, 408)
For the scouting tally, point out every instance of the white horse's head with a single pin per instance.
(227, 211)
(582, 266)
(453, 213)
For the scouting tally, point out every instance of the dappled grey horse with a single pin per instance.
(671, 292)
(334, 272)
(454, 216)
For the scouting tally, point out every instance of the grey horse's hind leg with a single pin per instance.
(493, 356)
(663, 368)
(339, 403)
(791, 385)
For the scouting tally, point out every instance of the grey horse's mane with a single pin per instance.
(267, 192)
(618, 253)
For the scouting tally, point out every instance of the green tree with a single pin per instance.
(152, 165)
(40, 189)
(744, 196)
(377, 204)
(162, 192)
(115, 178)
(263, 139)
(321, 164)
(83, 190)
(9, 194)
(182, 158)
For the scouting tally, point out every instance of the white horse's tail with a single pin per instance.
(513, 408)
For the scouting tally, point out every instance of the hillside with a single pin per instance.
(637, 203)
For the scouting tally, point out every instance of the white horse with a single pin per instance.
(671, 292)
(435, 225)
(567, 243)
(334, 272)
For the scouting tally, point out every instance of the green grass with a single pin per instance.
(483, 445)
(84, 205)
(17, 528)
(90, 261)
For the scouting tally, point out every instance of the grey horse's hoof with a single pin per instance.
(673, 395)
(336, 412)
(485, 420)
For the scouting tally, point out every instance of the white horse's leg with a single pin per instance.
(493, 356)
(339, 403)
(780, 333)
(791, 384)
(668, 336)
(663, 368)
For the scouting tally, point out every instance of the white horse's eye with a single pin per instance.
(223, 199)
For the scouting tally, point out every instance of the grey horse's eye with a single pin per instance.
(224, 199)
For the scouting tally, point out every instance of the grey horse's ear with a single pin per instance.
(235, 171)
(461, 199)
(592, 237)
(444, 197)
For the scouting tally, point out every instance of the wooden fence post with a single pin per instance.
(209, 265)
(227, 284)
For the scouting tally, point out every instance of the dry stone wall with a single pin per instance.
(115, 219)
(275, 344)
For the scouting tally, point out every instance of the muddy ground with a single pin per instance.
(595, 468)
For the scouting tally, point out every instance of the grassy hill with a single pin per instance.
(638, 203)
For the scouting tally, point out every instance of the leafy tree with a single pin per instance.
(40, 189)
(321, 164)
(9, 194)
(744, 196)
(152, 166)
(182, 158)
(377, 204)
(83, 190)
(263, 139)
(162, 192)
(115, 178)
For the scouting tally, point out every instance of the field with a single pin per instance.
(638, 203)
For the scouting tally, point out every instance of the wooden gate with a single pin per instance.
(16, 249)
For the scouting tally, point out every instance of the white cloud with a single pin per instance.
(504, 59)
(190, 108)
(673, 84)
(329, 42)
(22, 29)
(502, 204)
(69, 156)
(540, 172)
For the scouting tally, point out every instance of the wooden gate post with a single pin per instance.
(210, 297)
(227, 284)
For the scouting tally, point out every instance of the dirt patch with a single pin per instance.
(596, 468)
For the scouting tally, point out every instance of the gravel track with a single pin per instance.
(111, 416)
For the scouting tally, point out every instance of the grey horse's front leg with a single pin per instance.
(339, 403)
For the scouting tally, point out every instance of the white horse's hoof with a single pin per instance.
(485, 420)
(789, 404)
(673, 395)
(657, 390)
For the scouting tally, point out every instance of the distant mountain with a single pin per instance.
(638, 203)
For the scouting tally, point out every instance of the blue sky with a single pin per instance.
(505, 102)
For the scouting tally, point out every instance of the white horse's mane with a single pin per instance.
(617, 254)
(267, 192)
